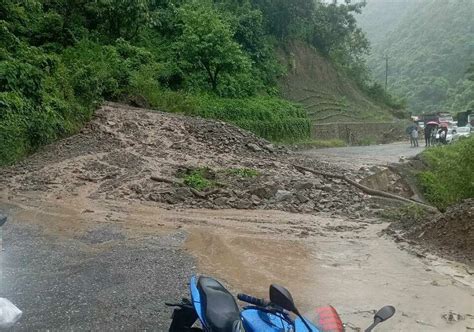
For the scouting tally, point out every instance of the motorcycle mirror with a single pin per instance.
(384, 313)
(381, 315)
(280, 296)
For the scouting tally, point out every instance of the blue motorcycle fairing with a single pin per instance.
(196, 299)
(255, 319)
(300, 327)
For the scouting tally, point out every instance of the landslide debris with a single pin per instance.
(128, 153)
(450, 234)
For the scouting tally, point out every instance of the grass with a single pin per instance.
(450, 175)
(199, 179)
(243, 172)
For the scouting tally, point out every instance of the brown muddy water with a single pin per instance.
(321, 259)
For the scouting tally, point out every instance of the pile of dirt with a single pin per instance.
(451, 234)
(128, 153)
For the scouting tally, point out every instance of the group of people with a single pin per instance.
(433, 135)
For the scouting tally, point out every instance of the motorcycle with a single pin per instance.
(217, 311)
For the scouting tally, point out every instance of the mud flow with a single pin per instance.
(102, 229)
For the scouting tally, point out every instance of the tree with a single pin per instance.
(207, 44)
(286, 18)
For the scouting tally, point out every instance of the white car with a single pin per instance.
(450, 134)
(460, 132)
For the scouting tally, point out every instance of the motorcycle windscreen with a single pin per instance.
(325, 319)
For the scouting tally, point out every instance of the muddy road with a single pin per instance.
(355, 157)
(77, 258)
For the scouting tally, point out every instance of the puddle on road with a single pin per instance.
(250, 264)
(355, 275)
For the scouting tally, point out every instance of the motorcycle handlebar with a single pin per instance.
(253, 300)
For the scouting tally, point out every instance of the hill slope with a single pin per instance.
(430, 46)
(327, 94)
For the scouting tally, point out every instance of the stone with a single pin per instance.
(269, 147)
(264, 192)
(242, 204)
(283, 195)
(154, 197)
(220, 201)
(317, 183)
(183, 193)
(254, 147)
(255, 200)
(327, 187)
(303, 185)
(302, 198)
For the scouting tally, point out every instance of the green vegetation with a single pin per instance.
(429, 47)
(409, 214)
(60, 59)
(450, 177)
(368, 141)
(198, 179)
(243, 172)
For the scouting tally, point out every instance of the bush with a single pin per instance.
(198, 179)
(450, 177)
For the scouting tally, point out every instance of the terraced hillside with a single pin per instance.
(327, 94)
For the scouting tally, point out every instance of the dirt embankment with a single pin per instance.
(449, 234)
(132, 154)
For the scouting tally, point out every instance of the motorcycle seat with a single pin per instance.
(221, 311)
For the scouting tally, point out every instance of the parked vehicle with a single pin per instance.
(466, 118)
(461, 132)
(450, 134)
(436, 117)
(216, 310)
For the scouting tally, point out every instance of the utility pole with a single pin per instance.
(386, 72)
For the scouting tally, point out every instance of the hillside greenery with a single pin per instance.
(429, 44)
(449, 178)
(59, 59)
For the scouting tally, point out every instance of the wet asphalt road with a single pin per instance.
(99, 281)
(354, 157)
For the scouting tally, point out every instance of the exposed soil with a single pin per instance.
(450, 234)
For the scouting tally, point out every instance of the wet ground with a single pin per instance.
(99, 280)
(354, 157)
(76, 261)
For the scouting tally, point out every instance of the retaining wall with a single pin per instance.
(356, 133)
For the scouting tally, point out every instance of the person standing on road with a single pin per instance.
(414, 136)
(408, 132)
(427, 133)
